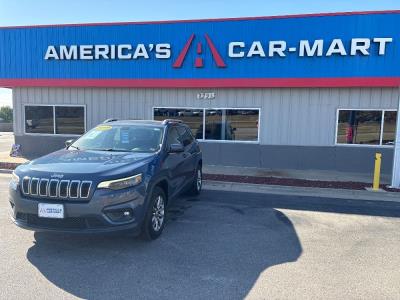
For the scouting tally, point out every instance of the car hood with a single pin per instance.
(86, 162)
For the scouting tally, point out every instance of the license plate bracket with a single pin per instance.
(50, 210)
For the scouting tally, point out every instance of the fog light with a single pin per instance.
(120, 215)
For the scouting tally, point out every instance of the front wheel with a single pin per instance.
(197, 182)
(154, 221)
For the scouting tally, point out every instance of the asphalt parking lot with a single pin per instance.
(221, 245)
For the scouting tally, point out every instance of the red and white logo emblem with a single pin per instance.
(199, 62)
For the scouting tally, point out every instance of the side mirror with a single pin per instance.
(68, 143)
(176, 148)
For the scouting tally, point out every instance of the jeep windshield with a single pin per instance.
(121, 138)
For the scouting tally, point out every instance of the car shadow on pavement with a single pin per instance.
(209, 249)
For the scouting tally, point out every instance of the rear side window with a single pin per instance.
(185, 135)
(173, 137)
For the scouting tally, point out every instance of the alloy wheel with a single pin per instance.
(199, 180)
(157, 219)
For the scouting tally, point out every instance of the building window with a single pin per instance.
(70, 120)
(216, 124)
(39, 119)
(192, 117)
(389, 127)
(231, 124)
(51, 119)
(366, 127)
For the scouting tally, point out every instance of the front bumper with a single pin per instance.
(95, 216)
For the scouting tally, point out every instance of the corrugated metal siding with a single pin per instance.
(288, 116)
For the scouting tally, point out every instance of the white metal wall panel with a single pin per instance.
(296, 116)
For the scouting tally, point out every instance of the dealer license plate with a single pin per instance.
(55, 211)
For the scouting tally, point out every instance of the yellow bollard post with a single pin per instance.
(377, 172)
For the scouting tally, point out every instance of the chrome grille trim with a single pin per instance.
(34, 181)
(77, 189)
(26, 191)
(88, 190)
(66, 189)
(44, 187)
(56, 194)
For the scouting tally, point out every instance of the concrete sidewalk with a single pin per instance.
(6, 142)
(8, 162)
(321, 175)
(295, 191)
(299, 191)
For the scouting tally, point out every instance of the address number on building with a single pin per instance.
(206, 96)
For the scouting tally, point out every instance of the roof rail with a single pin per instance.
(168, 121)
(110, 120)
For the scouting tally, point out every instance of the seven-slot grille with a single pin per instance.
(55, 188)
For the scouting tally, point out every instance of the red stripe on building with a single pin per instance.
(208, 83)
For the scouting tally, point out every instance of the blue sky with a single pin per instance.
(28, 12)
(24, 12)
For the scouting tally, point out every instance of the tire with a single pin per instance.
(154, 221)
(197, 184)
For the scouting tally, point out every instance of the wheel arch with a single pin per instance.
(163, 184)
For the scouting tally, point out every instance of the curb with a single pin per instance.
(8, 165)
(301, 191)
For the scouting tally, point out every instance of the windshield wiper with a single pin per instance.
(72, 146)
(112, 150)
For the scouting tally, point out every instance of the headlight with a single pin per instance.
(14, 181)
(14, 178)
(122, 183)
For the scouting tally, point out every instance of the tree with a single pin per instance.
(6, 113)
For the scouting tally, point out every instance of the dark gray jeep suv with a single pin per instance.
(119, 176)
